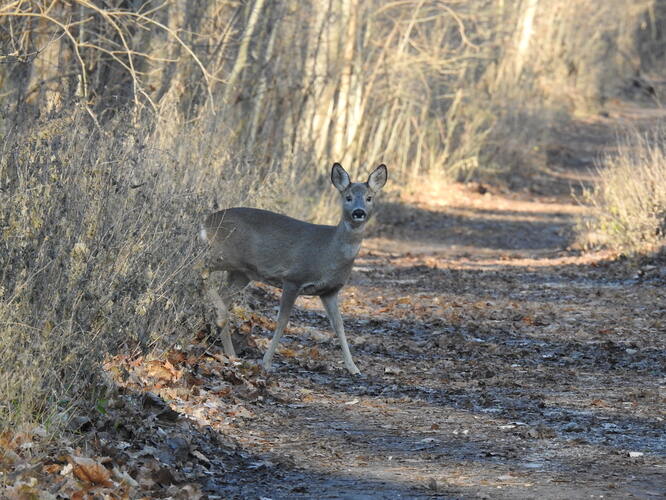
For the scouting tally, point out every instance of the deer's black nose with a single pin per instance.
(359, 214)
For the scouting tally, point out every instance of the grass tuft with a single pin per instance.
(630, 199)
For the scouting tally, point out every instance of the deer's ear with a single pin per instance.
(340, 177)
(378, 178)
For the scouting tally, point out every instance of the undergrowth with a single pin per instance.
(98, 248)
(629, 200)
(99, 208)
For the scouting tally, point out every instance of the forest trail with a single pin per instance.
(498, 362)
(501, 357)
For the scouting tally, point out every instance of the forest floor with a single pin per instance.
(498, 359)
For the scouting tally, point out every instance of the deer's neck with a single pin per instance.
(348, 238)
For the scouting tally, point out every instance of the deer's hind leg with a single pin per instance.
(233, 285)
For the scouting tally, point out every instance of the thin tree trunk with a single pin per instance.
(242, 56)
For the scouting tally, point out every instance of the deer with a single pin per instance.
(301, 258)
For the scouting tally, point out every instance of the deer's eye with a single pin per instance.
(368, 199)
(349, 198)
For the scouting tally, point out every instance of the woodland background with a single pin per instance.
(122, 122)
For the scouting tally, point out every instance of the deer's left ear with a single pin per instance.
(378, 178)
(340, 177)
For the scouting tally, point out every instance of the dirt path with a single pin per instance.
(511, 369)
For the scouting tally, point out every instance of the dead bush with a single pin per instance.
(98, 232)
(630, 199)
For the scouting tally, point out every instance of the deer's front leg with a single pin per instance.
(333, 311)
(289, 294)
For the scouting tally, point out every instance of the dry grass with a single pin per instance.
(98, 234)
(356, 82)
(630, 199)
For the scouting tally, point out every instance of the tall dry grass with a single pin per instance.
(630, 199)
(98, 236)
(99, 210)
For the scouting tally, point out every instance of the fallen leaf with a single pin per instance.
(240, 411)
(124, 477)
(52, 468)
(287, 352)
(157, 369)
(176, 357)
(200, 456)
(87, 469)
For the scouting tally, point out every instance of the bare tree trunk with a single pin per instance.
(262, 86)
(242, 56)
(525, 31)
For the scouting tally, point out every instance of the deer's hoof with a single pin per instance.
(267, 363)
(354, 371)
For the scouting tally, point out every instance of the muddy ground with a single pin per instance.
(498, 360)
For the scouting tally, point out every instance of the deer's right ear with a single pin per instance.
(378, 178)
(340, 177)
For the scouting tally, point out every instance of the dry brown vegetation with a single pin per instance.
(97, 254)
(121, 123)
(630, 198)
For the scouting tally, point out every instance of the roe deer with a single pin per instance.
(299, 257)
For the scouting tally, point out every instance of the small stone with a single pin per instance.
(392, 370)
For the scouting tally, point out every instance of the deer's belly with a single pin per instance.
(320, 288)
(270, 279)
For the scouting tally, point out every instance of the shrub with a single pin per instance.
(630, 199)
(98, 232)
